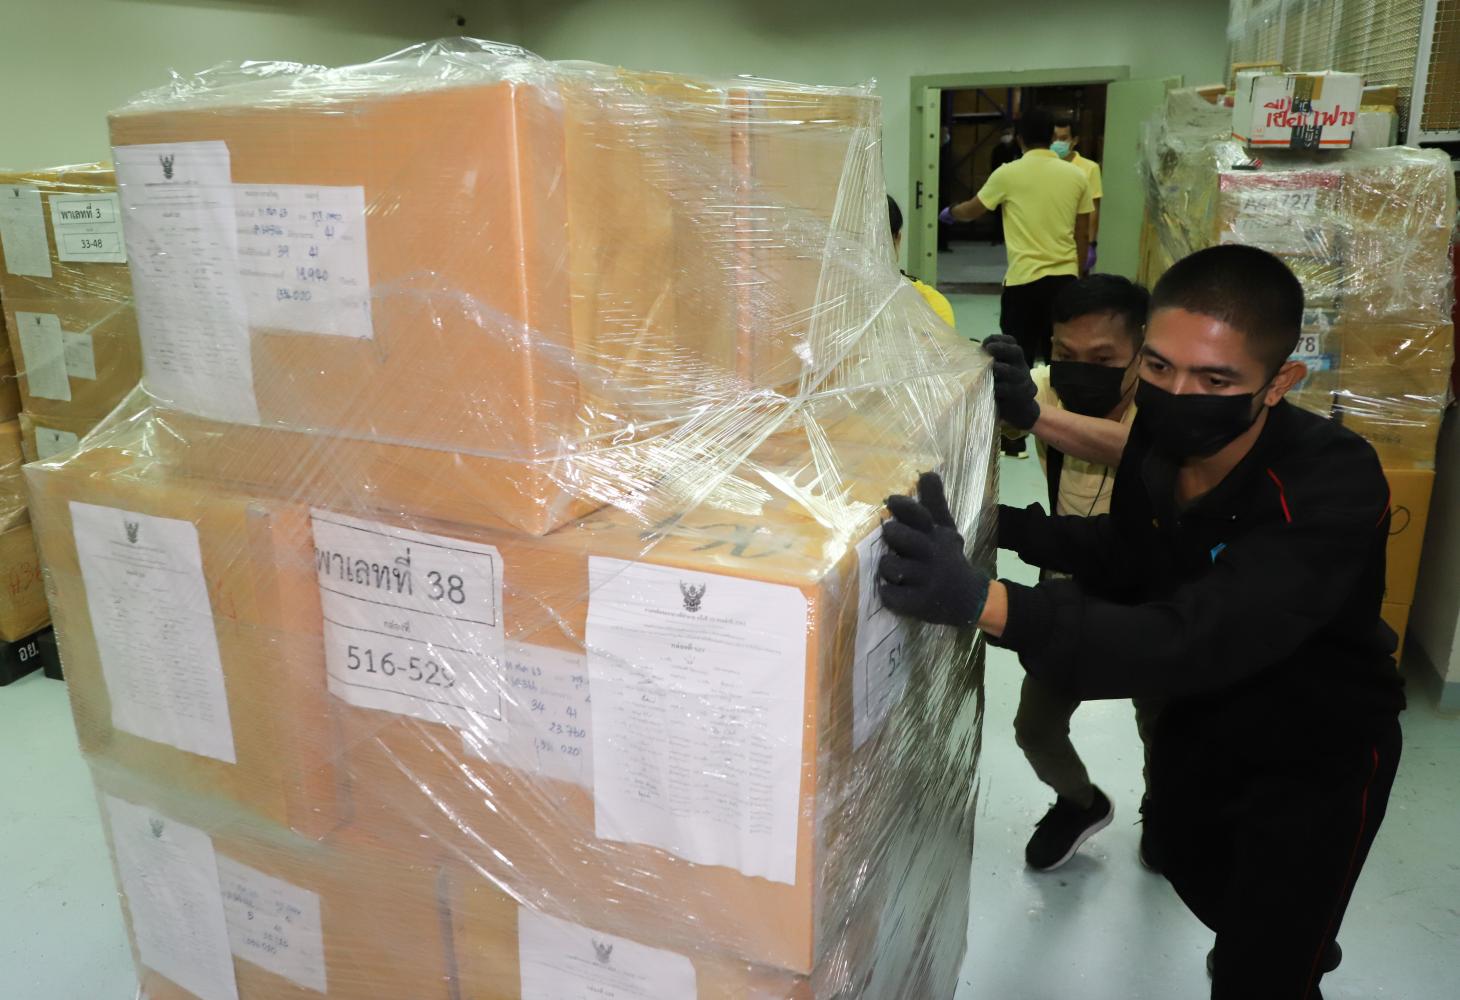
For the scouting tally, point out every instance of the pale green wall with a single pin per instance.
(849, 41)
(65, 63)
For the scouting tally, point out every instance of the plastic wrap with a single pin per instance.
(498, 620)
(1367, 231)
(67, 295)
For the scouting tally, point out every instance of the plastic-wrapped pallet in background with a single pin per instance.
(1368, 232)
(67, 298)
(477, 600)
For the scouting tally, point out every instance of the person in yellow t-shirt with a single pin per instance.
(935, 298)
(1066, 146)
(1047, 208)
(1080, 410)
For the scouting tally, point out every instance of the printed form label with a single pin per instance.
(50, 442)
(302, 258)
(413, 622)
(154, 628)
(23, 231)
(549, 715)
(563, 961)
(182, 241)
(43, 355)
(699, 686)
(169, 875)
(273, 924)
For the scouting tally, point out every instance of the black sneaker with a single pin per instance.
(1015, 448)
(1064, 828)
(1332, 959)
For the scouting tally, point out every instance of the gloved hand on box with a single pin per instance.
(925, 574)
(1014, 388)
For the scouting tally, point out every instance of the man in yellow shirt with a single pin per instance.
(1080, 410)
(935, 298)
(1047, 208)
(1066, 146)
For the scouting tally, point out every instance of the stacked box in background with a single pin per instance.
(67, 296)
(478, 599)
(1368, 232)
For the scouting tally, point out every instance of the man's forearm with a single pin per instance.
(995, 613)
(968, 211)
(1095, 222)
(1092, 439)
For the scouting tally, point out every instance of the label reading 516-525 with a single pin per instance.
(412, 622)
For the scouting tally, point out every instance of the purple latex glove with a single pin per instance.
(946, 216)
(1090, 259)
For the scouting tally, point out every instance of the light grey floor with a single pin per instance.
(1101, 928)
(972, 262)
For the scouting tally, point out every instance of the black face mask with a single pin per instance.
(1193, 425)
(1089, 390)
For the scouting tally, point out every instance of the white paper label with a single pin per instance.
(302, 258)
(412, 622)
(43, 355)
(182, 239)
(88, 228)
(879, 670)
(23, 231)
(49, 442)
(169, 875)
(698, 686)
(80, 355)
(1279, 203)
(273, 924)
(563, 961)
(548, 712)
(154, 628)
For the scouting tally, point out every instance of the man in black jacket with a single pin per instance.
(1239, 574)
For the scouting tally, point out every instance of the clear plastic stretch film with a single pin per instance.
(477, 599)
(1367, 231)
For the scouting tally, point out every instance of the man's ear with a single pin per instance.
(1289, 375)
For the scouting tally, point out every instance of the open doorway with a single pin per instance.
(977, 138)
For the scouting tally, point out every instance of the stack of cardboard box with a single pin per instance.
(484, 604)
(1368, 232)
(70, 352)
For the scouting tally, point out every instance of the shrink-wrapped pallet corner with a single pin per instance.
(1368, 232)
(533, 552)
(67, 292)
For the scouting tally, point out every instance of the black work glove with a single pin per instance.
(1014, 389)
(925, 574)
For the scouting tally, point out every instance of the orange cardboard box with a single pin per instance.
(78, 322)
(23, 607)
(1409, 491)
(1396, 616)
(490, 934)
(12, 479)
(355, 920)
(468, 317)
(189, 682)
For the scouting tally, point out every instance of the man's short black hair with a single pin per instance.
(1036, 128)
(894, 215)
(1105, 295)
(1249, 289)
(1066, 121)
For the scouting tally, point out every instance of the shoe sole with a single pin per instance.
(1090, 831)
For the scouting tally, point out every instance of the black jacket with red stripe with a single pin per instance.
(1259, 601)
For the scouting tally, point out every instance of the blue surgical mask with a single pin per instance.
(1060, 148)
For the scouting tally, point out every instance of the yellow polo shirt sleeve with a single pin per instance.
(995, 189)
(1087, 200)
(1092, 174)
